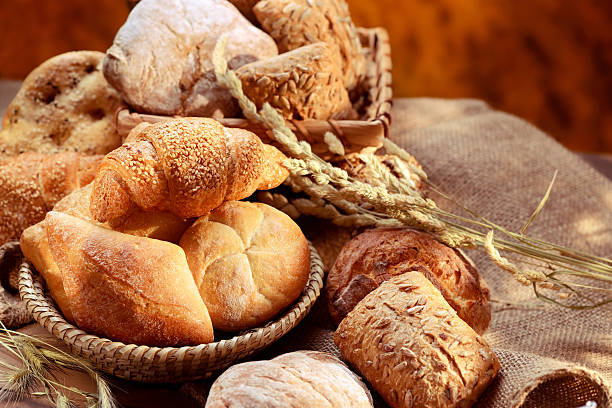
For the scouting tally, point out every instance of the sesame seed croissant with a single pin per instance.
(187, 166)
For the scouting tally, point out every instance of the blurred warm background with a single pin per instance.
(549, 61)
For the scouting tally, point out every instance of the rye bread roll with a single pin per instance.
(379, 254)
(411, 346)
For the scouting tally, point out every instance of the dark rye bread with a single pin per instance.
(379, 254)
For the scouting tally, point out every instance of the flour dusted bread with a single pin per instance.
(379, 254)
(160, 61)
(305, 83)
(187, 166)
(130, 289)
(65, 104)
(302, 379)
(31, 183)
(249, 260)
(411, 346)
(295, 23)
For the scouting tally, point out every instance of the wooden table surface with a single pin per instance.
(130, 394)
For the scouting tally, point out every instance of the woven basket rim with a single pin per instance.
(44, 311)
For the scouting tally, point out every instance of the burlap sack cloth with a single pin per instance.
(500, 166)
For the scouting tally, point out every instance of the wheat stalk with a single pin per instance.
(398, 200)
(40, 361)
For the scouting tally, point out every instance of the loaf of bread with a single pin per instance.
(295, 23)
(187, 166)
(130, 289)
(65, 104)
(379, 254)
(31, 184)
(305, 83)
(411, 346)
(35, 245)
(302, 379)
(250, 261)
(160, 61)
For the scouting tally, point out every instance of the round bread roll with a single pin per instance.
(380, 254)
(300, 379)
(249, 261)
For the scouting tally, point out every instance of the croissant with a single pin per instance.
(31, 184)
(187, 166)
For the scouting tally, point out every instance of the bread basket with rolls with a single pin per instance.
(164, 364)
(143, 269)
(373, 105)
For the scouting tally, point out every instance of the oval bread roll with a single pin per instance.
(379, 254)
(411, 346)
(249, 260)
(308, 379)
(130, 289)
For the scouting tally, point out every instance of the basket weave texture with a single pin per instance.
(374, 105)
(167, 364)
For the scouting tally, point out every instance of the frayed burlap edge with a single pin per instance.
(13, 313)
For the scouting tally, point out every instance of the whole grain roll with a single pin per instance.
(308, 379)
(379, 254)
(411, 346)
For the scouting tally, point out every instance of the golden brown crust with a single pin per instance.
(305, 83)
(160, 60)
(130, 289)
(379, 254)
(35, 247)
(31, 184)
(187, 166)
(298, 379)
(407, 341)
(295, 23)
(164, 226)
(249, 260)
(65, 104)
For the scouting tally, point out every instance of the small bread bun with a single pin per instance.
(249, 260)
(379, 254)
(299, 379)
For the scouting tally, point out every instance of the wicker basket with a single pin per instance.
(167, 364)
(374, 105)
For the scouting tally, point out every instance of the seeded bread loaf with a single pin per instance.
(379, 254)
(411, 346)
(300, 84)
(302, 379)
(295, 23)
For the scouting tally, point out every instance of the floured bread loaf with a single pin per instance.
(250, 262)
(411, 346)
(65, 104)
(305, 83)
(130, 289)
(304, 379)
(160, 61)
(380, 254)
(295, 23)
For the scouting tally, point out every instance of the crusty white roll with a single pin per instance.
(407, 341)
(308, 379)
(127, 288)
(249, 260)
